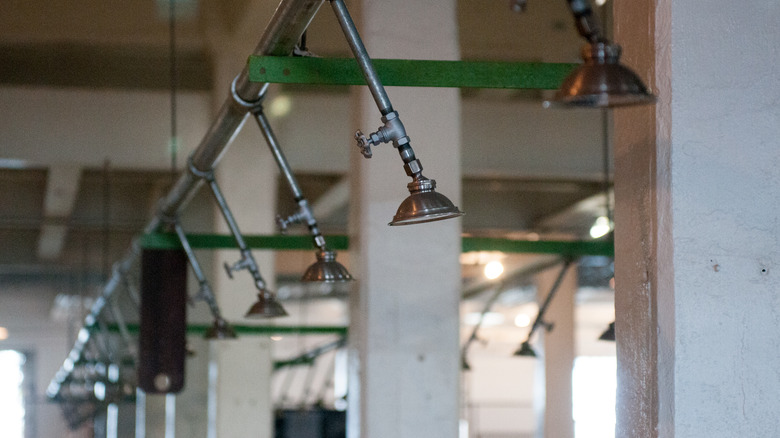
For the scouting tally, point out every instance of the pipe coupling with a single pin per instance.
(251, 106)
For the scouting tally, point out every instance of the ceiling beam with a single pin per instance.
(62, 185)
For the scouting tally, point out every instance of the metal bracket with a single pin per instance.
(251, 106)
(207, 175)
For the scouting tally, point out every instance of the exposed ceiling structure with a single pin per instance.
(543, 179)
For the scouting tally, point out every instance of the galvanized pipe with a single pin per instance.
(361, 55)
(289, 21)
(305, 213)
(204, 290)
(247, 259)
(281, 160)
(539, 321)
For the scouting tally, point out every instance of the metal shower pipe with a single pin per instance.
(304, 214)
(289, 21)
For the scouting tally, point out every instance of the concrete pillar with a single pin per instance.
(153, 420)
(697, 179)
(404, 360)
(556, 350)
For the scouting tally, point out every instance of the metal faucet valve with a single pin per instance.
(244, 263)
(393, 131)
(303, 216)
(364, 143)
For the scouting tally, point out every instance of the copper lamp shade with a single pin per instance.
(220, 330)
(266, 307)
(525, 350)
(601, 82)
(424, 204)
(326, 269)
(609, 333)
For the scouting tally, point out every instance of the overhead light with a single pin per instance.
(609, 333)
(326, 269)
(219, 330)
(601, 227)
(423, 204)
(280, 106)
(494, 270)
(266, 307)
(464, 364)
(3, 333)
(525, 350)
(601, 81)
(522, 320)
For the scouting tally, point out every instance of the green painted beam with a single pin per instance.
(199, 329)
(570, 248)
(409, 73)
(341, 242)
(226, 241)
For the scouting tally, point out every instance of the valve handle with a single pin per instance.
(364, 144)
(229, 270)
(282, 224)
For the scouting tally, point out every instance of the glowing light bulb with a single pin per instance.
(494, 270)
(522, 320)
(601, 227)
(280, 106)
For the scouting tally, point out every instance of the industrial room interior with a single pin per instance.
(105, 103)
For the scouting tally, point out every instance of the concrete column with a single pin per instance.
(556, 350)
(697, 179)
(153, 416)
(404, 360)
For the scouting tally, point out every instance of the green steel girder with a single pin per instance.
(341, 242)
(199, 329)
(409, 73)
(226, 241)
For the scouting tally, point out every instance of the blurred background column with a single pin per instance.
(404, 355)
